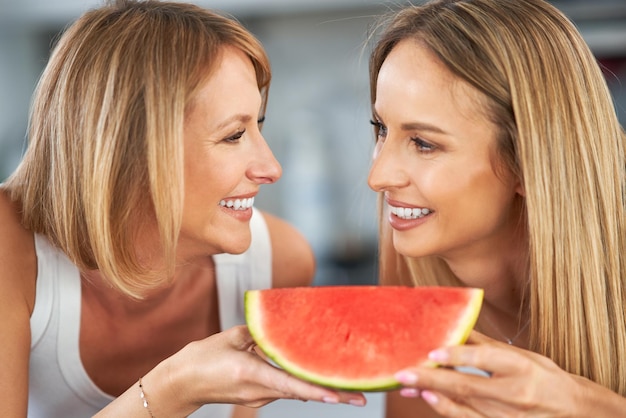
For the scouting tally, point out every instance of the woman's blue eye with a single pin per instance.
(422, 145)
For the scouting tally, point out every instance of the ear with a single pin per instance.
(519, 188)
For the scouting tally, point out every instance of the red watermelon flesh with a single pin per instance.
(358, 337)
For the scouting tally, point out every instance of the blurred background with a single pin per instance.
(317, 119)
(318, 112)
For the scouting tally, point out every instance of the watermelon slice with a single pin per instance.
(358, 337)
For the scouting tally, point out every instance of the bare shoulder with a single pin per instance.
(17, 252)
(17, 296)
(293, 261)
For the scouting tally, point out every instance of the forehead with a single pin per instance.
(230, 80)
(412, 72)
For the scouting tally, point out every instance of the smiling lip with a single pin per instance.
(238, 207)
(404, 216)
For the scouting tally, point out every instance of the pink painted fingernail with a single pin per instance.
(329, 399)
(429, 397)
(357, 402)
(439, 356)
(406, 377)
(409, 392)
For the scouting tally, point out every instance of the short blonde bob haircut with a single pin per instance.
(559, 133)
(105, 152)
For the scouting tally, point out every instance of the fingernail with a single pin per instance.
(429, 397)
(357, 402)
(406, 377)
(329, 399)
(409, 392)
(439, 356)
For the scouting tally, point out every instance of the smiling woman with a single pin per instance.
(128, 234)
(223, 142)
(500, 164)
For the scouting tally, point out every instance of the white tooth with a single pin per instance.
(425, 211)
(250, 202)
(237, 204)
(415, 212)
(229, 203)
(402, 212)
(393, 210)
(222, 203)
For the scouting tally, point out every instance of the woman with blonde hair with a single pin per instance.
(500, 164)
(128, 233)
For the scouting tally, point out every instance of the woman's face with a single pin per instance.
(435, 160)
(226, 159)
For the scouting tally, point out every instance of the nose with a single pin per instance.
(387, 169)
(265, 168)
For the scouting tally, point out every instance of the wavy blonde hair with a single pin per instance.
(105, 154)
(558, 131)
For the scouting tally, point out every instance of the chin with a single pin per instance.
(409, 248)
(236, 246)
(235, 250)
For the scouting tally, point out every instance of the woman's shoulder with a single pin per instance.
(17, 255)
(293, 260)
(17, 297)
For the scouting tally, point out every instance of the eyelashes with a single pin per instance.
(237, 136)
(379, 128)
(422, 146)
(376, 124)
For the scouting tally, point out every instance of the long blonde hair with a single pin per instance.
(105, 152)
(559, 133)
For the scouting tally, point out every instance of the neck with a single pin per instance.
(503, 275)
(500, 267)
(97, 289)
(498, 264)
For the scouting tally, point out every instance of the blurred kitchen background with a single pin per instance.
(317, 119)
(318, 113)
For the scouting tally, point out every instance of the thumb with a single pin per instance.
(239, 337)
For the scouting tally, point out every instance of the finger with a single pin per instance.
(352, 398)
(239, 337)
(259, 352)
(494, 358)
(446, 407)
(292, 387)
(449, 381)
(304, 390)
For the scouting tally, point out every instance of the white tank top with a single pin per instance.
(59, 386)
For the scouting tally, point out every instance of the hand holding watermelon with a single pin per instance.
(231, 371)
(522, 383)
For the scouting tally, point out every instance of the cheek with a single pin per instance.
(205, 182)
(467, 191)
(206, 166)
(482, 201)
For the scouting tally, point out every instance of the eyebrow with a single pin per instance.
(235, 118)
(419, 126)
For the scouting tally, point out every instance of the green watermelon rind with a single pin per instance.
(458, 337)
